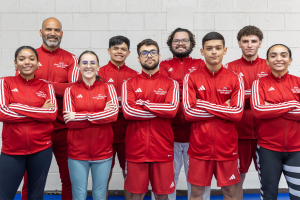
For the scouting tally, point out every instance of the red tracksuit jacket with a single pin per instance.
(27, 127)
(116, 75)
(213, 135)
(150, 102)
(57, 67)
(177, 68)
(250, 71)
(90, 135)
(279, 125)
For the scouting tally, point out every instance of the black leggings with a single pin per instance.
(270, 166)
(12, 169)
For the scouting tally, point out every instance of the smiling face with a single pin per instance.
(181, 49)
(279, 60)
(213, 52)
(88, 67)
(26, 62)
(118, 53)
(51, 33)
(250, 45)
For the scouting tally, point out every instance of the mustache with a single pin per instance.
(52, 37)
(180, 47)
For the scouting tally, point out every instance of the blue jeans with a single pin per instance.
(79, 172)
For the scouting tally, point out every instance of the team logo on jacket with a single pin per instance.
(139, 90)
(224, 90)
(61, 65)
(202, 88)
(79, 96)
(15, 90)
(271, 89)
(110, 80)
(262, 74)
(41, 94)
(99, 96)
(296, 90)
(171, 69)
(192, 69)
(160, 92)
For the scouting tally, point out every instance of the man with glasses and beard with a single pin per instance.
(60, 68)
(149, 100)
(181, 43)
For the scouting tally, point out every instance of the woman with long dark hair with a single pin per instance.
(89, 108)
(275, 101)
(27, 110)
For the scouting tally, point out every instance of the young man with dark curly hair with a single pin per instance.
(181, 43)
(251, 68)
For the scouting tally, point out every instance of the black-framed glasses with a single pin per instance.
(144, 54)
(183, 41)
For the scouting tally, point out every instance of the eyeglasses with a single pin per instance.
(183, 41)
(85, 63)
(144, 54)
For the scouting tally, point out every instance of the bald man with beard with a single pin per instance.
(58, 67)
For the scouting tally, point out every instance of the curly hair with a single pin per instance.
(191, 37)
(250, 30)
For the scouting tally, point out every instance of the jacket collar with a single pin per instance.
(149, 76)
(115, 66)
(25, 80)
(50, 52)
(182, 59)
(282, 78)
(251, 62)
(213, 73)
(96, 83)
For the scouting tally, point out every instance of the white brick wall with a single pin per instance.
(88, 24)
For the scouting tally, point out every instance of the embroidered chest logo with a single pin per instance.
(15, 90)
(192, 69)
(99, 96)
(61, 65)
(202, 88)
(79, 96)
(160, 92)
(110, 80)
(41, 94)
(271, 89)
(171, 69)
(224, 90)
(262, 74)
(296, 90)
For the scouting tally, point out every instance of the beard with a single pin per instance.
(184, 54)
(149, 67)
(51, 44)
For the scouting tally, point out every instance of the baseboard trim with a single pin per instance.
(179, 192)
